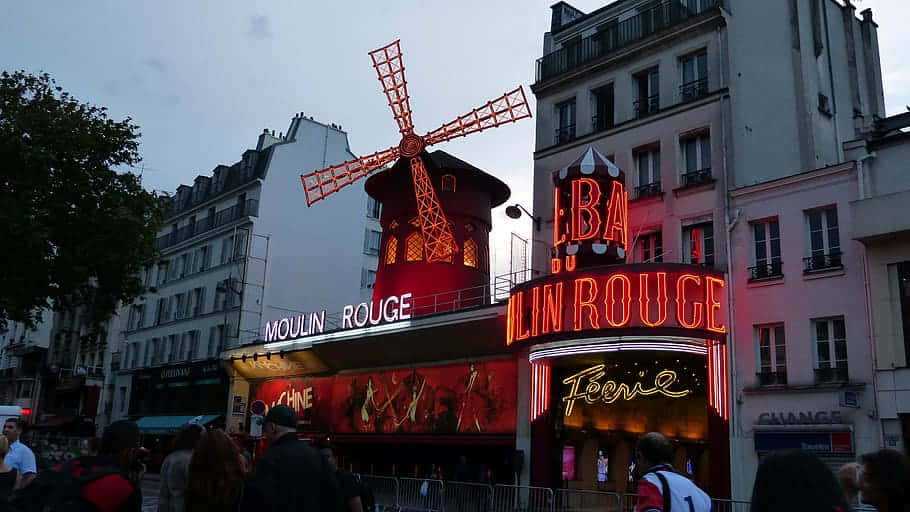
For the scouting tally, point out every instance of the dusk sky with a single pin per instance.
(203, 78)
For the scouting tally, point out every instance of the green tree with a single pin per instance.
(75, 233)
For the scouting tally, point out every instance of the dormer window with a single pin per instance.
(448, 183)
(470, 253)
(414, 247)
(391, 248)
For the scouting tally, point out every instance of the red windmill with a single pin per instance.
(437, 234)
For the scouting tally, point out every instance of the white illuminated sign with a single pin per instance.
(390, 309)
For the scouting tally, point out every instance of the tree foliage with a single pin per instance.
(75, 233)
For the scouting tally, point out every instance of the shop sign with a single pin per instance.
(815, 442)
(800, 418)
(188, 371)
(390, 309)
(610, 391)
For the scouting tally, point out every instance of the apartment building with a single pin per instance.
(22, 355)
(708, 106)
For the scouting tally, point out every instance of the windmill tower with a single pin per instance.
(410, 192)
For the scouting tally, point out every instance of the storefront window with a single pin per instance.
(603, 466)
(568, 462)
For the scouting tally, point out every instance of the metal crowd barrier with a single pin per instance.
(420, 494)
(385, 491)
(517, 498)
(628, 502)
(721, 505)
(579, 500)
(468, 497)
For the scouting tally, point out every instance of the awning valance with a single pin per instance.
(165, 425)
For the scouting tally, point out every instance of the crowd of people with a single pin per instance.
(207, 472)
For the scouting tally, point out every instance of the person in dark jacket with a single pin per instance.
(291, 475)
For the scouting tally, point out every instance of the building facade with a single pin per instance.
(703, 101)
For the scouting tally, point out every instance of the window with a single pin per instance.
(648, 85)
(122, 399)
(694, 71)
(648, 162)
(602, 103)
(221, 333)
(568, 462)
(448, 183)
(212, 342)
(135, 361)
(181, 351)
(181, 306)
(227, 245)
(565, 121)
(184, 264)
(228, 293)
(772, 354)
(903, 283)
(470, 253)
(367, 278)
(201, 261)
(173, 345)
(371, 242)
(391, 248)
(765, 250)
(824, 240)
(650, 248)
(173, 270)
(239, 245)
(696, 155)
(147, 276)
(198, 301)
(220, 296)
(137, 317)
(698, 244)
(146, 358)
(193, 351)
(374, 208)
(830, 339)
(414, 247)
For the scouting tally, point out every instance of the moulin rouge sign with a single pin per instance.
(390, 309)
(589, 288)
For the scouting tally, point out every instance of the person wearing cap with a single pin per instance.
(291, 475)
(176, 468)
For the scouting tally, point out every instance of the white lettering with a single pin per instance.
(285, 325)
(366, 313)
(271, 330)
(385, 309)
(299, 321)
(389, 309)
(405, 305)
(378, 319)
(346, 317)
(317, 323)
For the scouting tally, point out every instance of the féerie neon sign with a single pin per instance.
(610, 391)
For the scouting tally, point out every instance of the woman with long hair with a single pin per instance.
(885, 480)
(175, 468)
(796, 481)
(216, 476)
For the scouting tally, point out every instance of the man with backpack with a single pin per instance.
(661, 488)
(107, 482)
(356, 495)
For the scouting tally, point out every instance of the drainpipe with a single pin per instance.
(861, 173)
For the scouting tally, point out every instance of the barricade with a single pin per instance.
(519, 498)
(385, 490)
(578, 500)
(468, 497)
(722, 505)
(420, 494)
(628, 502)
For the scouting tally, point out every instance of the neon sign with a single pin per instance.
(390, 309)
(610, 391)
(618, 297)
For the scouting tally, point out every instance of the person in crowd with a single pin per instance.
(216, 474)
(291, 475)
(884, 481)
(848, 480)
(348, 485)
(660, 487)
(20, 457)
(175, 468)
(9, 477)
(91, 446)
(796, 481)
(119, 470)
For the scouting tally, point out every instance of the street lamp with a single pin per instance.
(515, 210)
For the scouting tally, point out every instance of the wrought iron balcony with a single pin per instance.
(651, 189)
(601, 123)
(250, 208)
(647, 106)
(772, 270)
(564, 134)
(696, 178)
(838, 374)
(612, 36)
(817, 262)
(693, 90)
(766, 378)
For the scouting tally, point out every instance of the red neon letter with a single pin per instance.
(586, 303)
(681, 303)
(558, 238)
(590, 208)
(510, 335)
(521, 333)
(570, 263)
(535, 311)
(610, 300)
(712, 304)
(552, 308)
(555, 265)
(644, 299)
(617, 215)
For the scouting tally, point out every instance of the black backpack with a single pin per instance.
(57, 491)
(366, 495)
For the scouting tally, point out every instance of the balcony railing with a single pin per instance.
(612, 36)
(772, 270)
(601, 123)
(693, 90)
(838, 374)
(651, 189)
(818, 262)
(647, 106)
(248, 209)
(564, 134)
(772, 378)
(696, 178)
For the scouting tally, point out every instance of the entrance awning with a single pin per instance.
(166, 425)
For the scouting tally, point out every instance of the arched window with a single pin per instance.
(391, 249)
(413, 247)
(448, 183)
(470, 253)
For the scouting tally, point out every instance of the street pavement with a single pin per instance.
(150, 485)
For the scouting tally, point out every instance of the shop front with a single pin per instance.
(165, 399)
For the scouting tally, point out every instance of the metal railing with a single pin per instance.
(772, 378)
(823, 261)
(696, 178)
(693, 90)
(384, 489)
(772, 270)
(612, 36)
(250, 208)
(601, 123)
(564, 134)
(468, 497)
(420, 494)
(523, 498)
(579, 500)
(651, 189)
(646, 106)
(838, 374)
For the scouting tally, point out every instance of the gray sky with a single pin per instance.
(203, 78)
